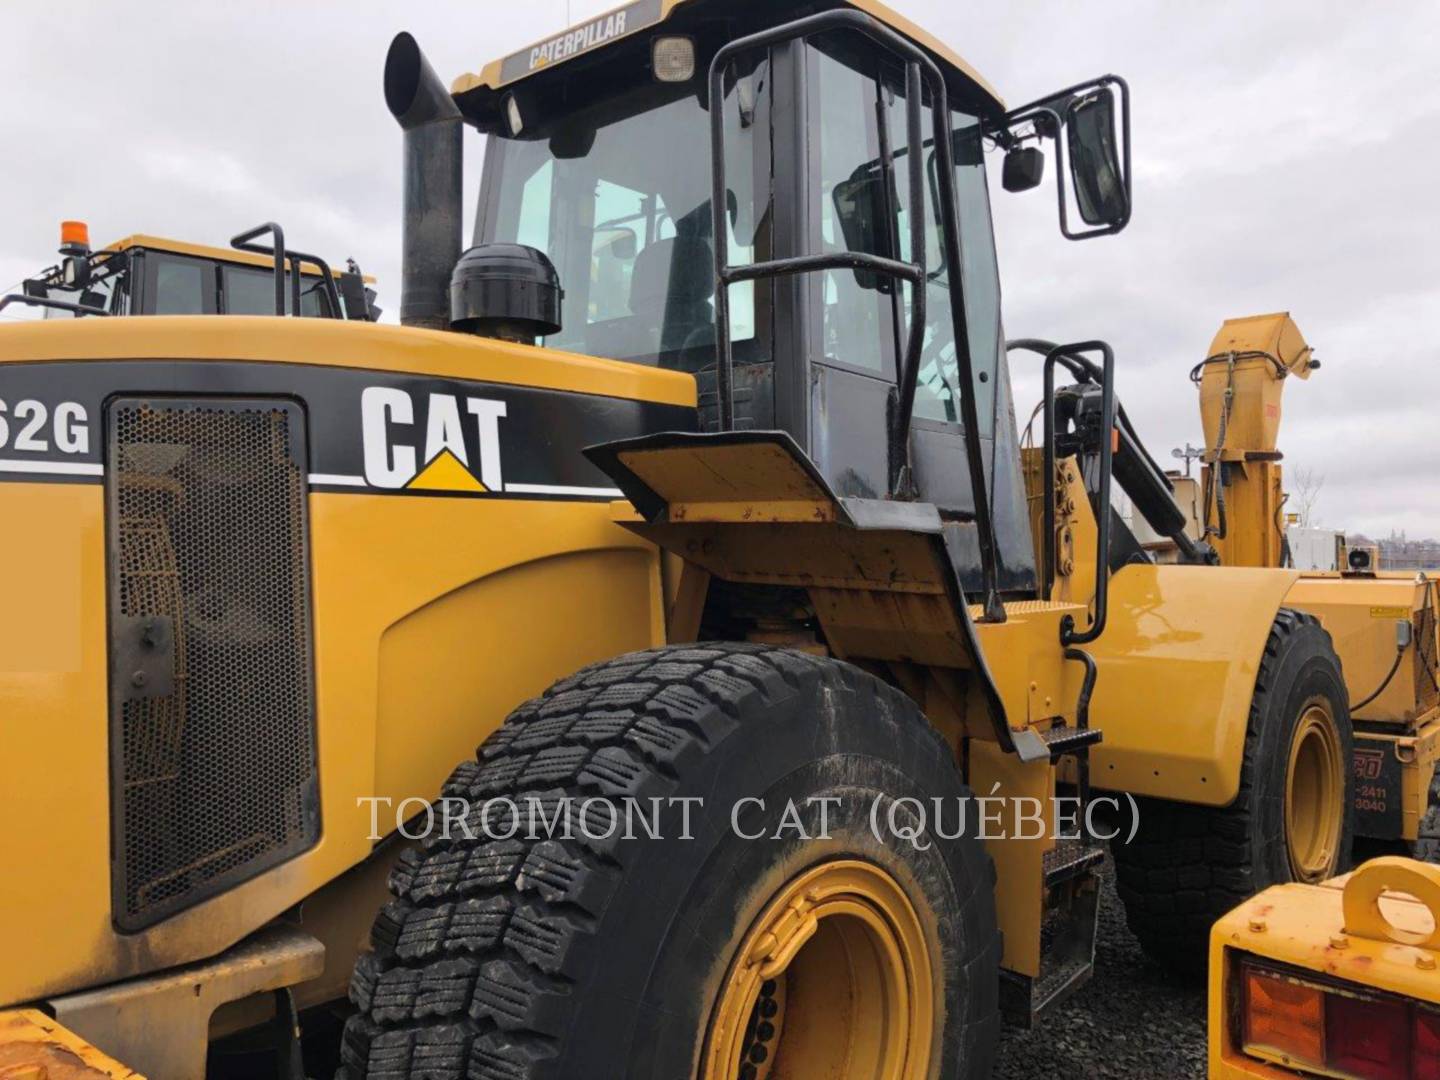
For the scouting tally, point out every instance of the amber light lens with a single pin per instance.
(1367, 1037)
(1426, 1047)
(74, 232)
(1284, 1018)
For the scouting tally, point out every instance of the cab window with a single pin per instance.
(865, 316)
(251, 291)
(618, 196)
(938, 388)
(858, 316)
(181, 286)
(626, 221)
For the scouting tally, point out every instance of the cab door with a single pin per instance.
(937, 434)
(852, 369)
(856, 113)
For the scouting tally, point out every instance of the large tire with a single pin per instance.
(529, 959)
(1188, 865)
(1427, 846)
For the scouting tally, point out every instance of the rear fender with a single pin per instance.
(1178, 662)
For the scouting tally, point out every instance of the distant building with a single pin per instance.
(1397, 552)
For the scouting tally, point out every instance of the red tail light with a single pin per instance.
(1324, 1027)
(1426, 1046)
(1369, 1038)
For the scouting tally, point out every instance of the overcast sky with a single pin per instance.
(1284, 160)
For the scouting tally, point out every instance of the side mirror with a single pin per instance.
(1100, 190)
(75, 271)
(860, 209)
(1024, 168)
(1082, 120)
(570, 143)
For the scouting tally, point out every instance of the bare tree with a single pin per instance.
(1305, 485)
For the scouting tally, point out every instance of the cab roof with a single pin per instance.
(601, 31)
(219, 254)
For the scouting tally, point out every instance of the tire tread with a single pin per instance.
(1190, 864)
(474, 961)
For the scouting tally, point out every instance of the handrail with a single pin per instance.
(1082, 722)
(245, 242)
(45, 301)
(296, 259)
(1087, 371)
(1068, 634)
(299, 259)
(920, 73)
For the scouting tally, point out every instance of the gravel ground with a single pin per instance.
(1133, 1019)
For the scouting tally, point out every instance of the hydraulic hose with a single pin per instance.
(1198, 371)
(1217, 472)
(1425, 661)
(1357, 705)
(1138, 473)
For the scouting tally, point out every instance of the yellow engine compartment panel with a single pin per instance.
(433, 613)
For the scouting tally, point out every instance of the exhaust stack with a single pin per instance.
(433, 174)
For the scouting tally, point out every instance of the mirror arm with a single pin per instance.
(1035, 113)
(1063, 97)
(1049, 110)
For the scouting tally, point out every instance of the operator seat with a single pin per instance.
(670, 289)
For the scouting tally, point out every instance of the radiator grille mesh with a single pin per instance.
(213, 741)
(1427, 693)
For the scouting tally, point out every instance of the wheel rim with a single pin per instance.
(1314, 790)
(833, 979)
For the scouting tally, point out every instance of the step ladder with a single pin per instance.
(1070, 879)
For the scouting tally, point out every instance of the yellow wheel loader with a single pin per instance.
(150, 275)
(709, 432)
(1383, 623)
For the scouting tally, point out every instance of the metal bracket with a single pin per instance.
(160, 1025)
(143, 656)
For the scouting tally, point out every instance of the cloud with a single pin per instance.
(1282, 163)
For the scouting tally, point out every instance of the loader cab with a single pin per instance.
(150, 275)
(599, 155)
(167, 281)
